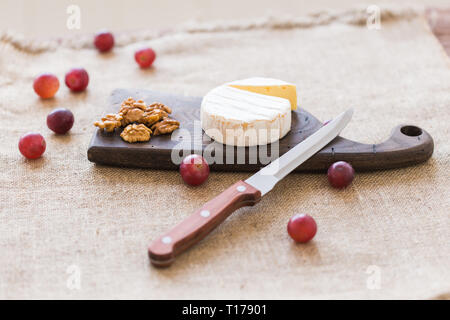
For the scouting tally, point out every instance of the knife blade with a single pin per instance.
(266, 178)
(163, 250)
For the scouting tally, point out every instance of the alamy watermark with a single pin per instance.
(74, 19)
(218, 153)
(73, 281)
(373, 21)
(373, 281)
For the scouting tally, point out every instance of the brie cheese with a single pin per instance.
(242, 118)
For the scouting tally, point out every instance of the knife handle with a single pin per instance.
(163, 250)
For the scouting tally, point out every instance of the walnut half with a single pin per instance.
(136, 133)
(167, 125)
(109, 122)
(151, 117)
(159, 105)
(132, 111)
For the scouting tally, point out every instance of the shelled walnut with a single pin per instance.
(140, 120)
(136, 133)
(152, 116)
(158, 105)
(167, 125)
(132, 111)
(109, 122)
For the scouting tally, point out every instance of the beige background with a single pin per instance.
(48, 17)
(62, 211)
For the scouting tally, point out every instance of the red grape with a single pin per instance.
(32, 145)
(145, 57)
(104, 41)
(77, 79)
(46, 85)
(340, 174)
(60, 120)
(302, 228)
(194, 170)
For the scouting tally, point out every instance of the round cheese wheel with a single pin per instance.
(242, 118)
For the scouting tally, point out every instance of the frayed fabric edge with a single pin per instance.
(356, 16)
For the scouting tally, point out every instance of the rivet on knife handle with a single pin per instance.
(163, 250)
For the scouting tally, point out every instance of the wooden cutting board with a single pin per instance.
(407, 145)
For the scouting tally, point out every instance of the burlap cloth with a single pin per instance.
(387, 236)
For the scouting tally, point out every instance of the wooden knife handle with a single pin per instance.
(163, 250)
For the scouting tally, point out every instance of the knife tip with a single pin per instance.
(350, 112)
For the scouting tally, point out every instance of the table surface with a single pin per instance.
(386, 236)
(439, 21)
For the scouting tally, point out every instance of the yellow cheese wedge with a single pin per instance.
(270, 87)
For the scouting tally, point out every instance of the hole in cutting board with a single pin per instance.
(411, 131)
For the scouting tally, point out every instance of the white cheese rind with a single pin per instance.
(259, 81)
(241, 118)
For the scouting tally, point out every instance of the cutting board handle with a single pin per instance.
(163, 250)
(407, 145)
(407, 138)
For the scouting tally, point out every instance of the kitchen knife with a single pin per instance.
(163, 250)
